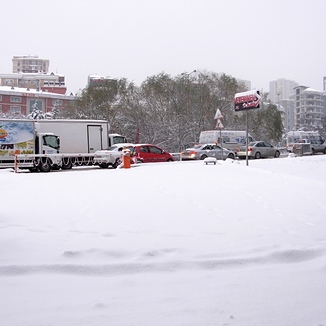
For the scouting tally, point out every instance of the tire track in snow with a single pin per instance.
(276, 257)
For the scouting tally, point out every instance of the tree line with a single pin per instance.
(171, 111)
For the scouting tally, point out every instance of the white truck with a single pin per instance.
(231, 139)
(77, 142)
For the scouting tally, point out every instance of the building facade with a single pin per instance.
(30, 64)
(308, 107)
(46, 82)
(18, 102)
(281, 89)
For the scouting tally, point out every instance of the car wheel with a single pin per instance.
(312, 151)
(325, 151)
(277, 154)
(116, 163)
(103, 165)
(231, 155)
(169, 160)
(257, 155)
(203, 157)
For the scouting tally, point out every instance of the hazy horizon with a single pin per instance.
(249, 40)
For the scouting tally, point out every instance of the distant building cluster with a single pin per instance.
(302, 106)
(31, 85)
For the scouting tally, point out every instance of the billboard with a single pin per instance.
(247, 100)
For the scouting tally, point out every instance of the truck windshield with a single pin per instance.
(119, 139)
(51, 141)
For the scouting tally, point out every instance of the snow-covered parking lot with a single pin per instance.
(180, 243)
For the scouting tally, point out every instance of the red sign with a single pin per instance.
(247, 100)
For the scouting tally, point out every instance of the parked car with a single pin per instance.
(202, 151)
(313, 146)
(258, 149)
(111, 156)
(147, 153)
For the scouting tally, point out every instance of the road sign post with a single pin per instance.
(244, 102)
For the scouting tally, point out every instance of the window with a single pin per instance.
(15, 99)
(57, 102)
(15, 110)
(144, 149)
(155, 150)
(0, 97)
(9, 82)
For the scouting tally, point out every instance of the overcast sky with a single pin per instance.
(255, 40)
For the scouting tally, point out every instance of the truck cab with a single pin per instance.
(47, 143)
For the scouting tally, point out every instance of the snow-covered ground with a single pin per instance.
(180, 243)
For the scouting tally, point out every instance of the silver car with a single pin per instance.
(258, 149)
(202, 151)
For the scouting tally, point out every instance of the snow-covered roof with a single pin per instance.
(311, 90)
(20, 91)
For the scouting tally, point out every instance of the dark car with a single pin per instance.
(258, 149)
(148, 153)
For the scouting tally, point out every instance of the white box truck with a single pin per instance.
(80, 139)
(231, 139)
(76, 143)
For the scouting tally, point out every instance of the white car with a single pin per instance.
(111, 156)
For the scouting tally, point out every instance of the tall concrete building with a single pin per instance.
(308, 106)
(281, 89)
(281, 92)
(30, 64)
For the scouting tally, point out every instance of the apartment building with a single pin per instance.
(30, 64)
(18, 102)
(32, 72)
(308, 107)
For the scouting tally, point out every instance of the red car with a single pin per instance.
(148, 153)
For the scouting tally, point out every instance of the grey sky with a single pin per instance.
(256, 40)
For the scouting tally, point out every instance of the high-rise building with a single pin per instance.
(30, 64)
(281, 92)
(281, 89)
(308, 105)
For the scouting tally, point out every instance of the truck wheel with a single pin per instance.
(45, 165)
(66, 164)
